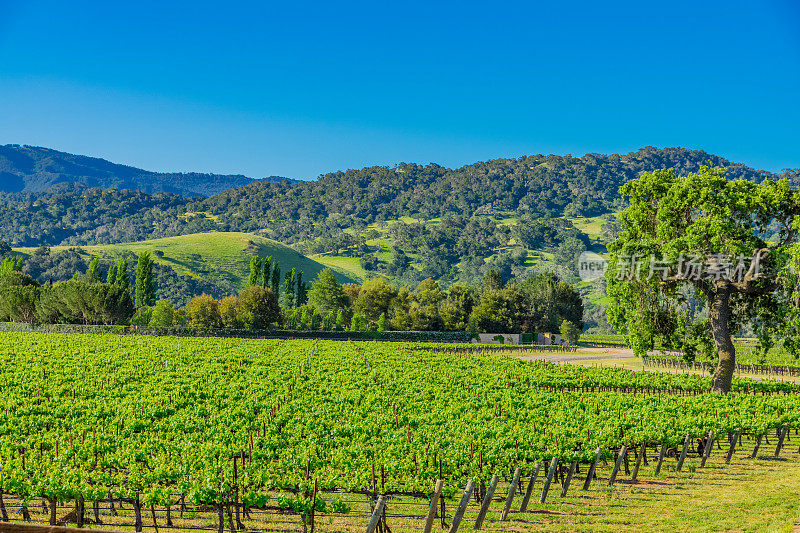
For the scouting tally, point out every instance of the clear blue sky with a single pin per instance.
(298, 88)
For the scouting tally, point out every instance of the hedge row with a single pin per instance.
(410, 336)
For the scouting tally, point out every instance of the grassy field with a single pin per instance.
(345, 266)
(589, 225)
(221, 257)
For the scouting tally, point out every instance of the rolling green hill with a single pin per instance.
(217, 261)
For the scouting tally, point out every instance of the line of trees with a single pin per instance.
(540, 303)
(84, 299)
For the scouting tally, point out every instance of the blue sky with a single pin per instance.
(297, 88)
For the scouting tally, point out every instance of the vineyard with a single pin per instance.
(232, 434)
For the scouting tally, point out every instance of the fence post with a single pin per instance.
(684, 451)
(529, 491)
(462, 506)
(550, 472)
(735, 440)
(487, 500)
(376, 515)
(784, 431)
(437, 491)
(512, 490)
(592, 469)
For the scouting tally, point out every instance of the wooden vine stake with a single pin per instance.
(592, 469)
(550, 472)
(784, 431)
(376, 515)
(512, 490)
(758, 444)
(462, 506)
(638, 461)
(620, 457)
(684, 451)
(734, 440)
(529, 491)
(567, 481)
(707, 450)
(487, 500)
(437, 492)
(661, 453)
(313, 508)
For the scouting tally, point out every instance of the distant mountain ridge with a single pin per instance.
(535, 186)
(34, 169)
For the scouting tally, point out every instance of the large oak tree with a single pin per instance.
(701, 250)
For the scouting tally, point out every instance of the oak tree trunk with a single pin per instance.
(718, 317)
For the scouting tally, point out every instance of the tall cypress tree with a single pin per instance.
(123, 280)
(289, 289)
(276, 278)
(255, 271)
(93, 274)
(302, 290)
(266, 270)
(145, 285)
(111, 277)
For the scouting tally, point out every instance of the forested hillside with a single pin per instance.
(32, 168)
(516, 217)
(539, 186)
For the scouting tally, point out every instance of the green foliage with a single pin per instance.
(145, 290)
(374, 299)
(288, 298)
(202, 312)
(672, 218)
(326, 293)
(229, 312)
(456, 309)
(10, 265)
(547, 233)
(266, 272)
(569, 332)
(548, 301)
(111, 275)
(93, 274)
(82, 302)
(358, 322)
(538, 185)
(276, 278)
(163, 314)
(123, 279)
(329, 322)
(257, 308)
(180, 395)
(19, 296)
(302, 290)
(255, 271)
